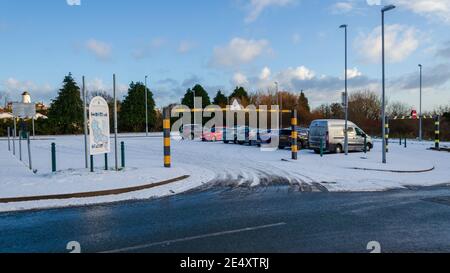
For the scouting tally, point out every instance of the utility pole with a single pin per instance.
(115, 123)
(420, 110)
(346, 93)
(146, 107)
(86, 156)
(383, 110)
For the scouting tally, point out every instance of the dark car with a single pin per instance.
(229, 135)
(302, 138)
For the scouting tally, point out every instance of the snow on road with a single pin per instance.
(209, 164)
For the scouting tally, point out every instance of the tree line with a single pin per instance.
(65, 114)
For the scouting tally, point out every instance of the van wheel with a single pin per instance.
(338, 149)
(317, 151)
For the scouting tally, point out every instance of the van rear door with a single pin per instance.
(318, 131)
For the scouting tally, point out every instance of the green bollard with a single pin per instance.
(53, 157)
(106, 162)
(321, 147)
(122, 149)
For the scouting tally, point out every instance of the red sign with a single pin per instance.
(414, 114)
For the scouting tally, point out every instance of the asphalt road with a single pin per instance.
(265, 219)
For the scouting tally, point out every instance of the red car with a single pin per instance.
(215, 134)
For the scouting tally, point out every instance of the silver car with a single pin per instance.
(331, 134)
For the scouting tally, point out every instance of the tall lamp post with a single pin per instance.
(277, 91)
(346, 94)
(420, 107)
(146, 107)
(383, 107)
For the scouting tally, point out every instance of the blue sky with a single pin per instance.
(221, 44)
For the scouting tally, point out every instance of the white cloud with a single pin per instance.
(15, 88)
(101, 50)
(73, 2)
(256, 7)
(239, 79)
(342, 7)
(265, 74)
(353, 73)
(185, 47)
(239, 51)
(400, 43)
(373, 2)
(433, 9)
(301, 73)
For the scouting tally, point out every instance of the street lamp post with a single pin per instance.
(146, 107)
(420, 107)
(346, 94)
(383, 110)
(277, 92)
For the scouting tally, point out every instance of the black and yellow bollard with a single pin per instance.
(294, 135)
(387, 135)
(166, 128)
(437, 132)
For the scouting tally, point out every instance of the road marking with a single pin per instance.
(195, 238)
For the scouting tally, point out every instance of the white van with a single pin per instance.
(331, 132)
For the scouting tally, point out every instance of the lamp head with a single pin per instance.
(387, 8)
(343, 26)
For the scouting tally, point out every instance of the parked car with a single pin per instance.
(214, 134)
(229, 135)
(302, 138)
(331, 133)
(192, 131)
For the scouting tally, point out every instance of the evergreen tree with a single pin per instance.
(66, 111)
(132, 113)
(220, 99)
(304, 103)
(199, 91)
(240, 94)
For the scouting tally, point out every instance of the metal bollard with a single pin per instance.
(9, 139)
(321, 147)
(400, 141)
(405, 143)
(122, 152)
(20, 145)
(437, 132)
(294, 135)
(106, 161)
(29, 151)
(92, 163)
(14, 137)
(365, 144)
(53, 157)
(166, 127)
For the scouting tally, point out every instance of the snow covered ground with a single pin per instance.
(208, 164)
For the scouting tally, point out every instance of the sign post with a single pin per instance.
(85, 126)
(99, 137)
